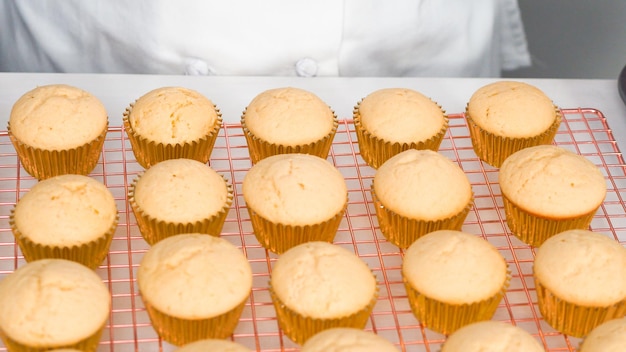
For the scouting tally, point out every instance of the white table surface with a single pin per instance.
(232, 94)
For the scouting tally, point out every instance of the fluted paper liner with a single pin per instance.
(494, 149)
(154, 230)
(148, 153)
(90, 254)
(534, 229)
(43, 163)
(402, 231)
(375, 151)
(300, 328)
(181, 331)
(278, 238)
(573, 319)
(446, 318)
(88, 344)
(260, 149)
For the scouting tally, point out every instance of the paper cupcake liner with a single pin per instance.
(573, 319)
(494, 149)
(534, 229)
(181, 331)
(260, 149)
(148, 153)
(91, 254)
(153, 230)
(278, 238)
(300, 328)
(43, 164)
(88, 344)
(446, 318)
(375, 151)
(403, 231)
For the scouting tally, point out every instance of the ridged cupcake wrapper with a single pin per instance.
(494, 149)
(153, 230)
(403, 231)
(260, 149)
(572, 319)
(375, 151)
(43, 164)
(278, 238)
(148, 153)
(534, 230)
(300, 328)
(181, 331)
(91, 254)
(446, 318)
(88, 344)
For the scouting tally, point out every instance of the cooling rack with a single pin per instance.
(584, 131)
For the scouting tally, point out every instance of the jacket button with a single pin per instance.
(306, 67)
(197, 67)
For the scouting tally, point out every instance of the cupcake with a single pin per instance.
(547, 190)
(318, 285)
(389, 121)
(453, 279)
(580, 277)
(347, 339)
(493, 336)
(506, 116)
(58, 129)
(172, 122)
(288, 120)
(53, 303)
(417, 192)
(216, 345)
(179, 196)
(194, 287)
(69, 216)
(294, 198)
(609, 336)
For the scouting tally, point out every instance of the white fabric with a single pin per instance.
(269, 37)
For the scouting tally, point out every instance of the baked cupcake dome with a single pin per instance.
(491, 336)
(216, 345)
(179, 196)
(58, 129)
(319, 285)
(53, 303)
(288, 120)
(194, 287)
(69, 216)
(580, 277)
(609, 336)
(547, 189)
(294, 198)
(391, 120)
(453, 279)
(419, 191)
(172, 122)
(347, 339)
(506, 116)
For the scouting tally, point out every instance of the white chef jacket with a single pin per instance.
(266, 37)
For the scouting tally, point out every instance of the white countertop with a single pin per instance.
(232, 94)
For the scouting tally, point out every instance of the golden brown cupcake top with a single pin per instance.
(347, 340)
(609, 336)
(492, 336)
(216, 345)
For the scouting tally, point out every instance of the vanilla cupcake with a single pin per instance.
(419, 191)
(172, 122)
(179, 196)
(58, 129)
(347, 339)
(580, 277)
(506, 116)
(319, 285)
(194, 287)
(288, 120)
(453, 279)
(493, 336)
(215, 345)
(609, 336)
(294, 198)
(69, 216)
(547, 190)
(53, 303)
(391, 120)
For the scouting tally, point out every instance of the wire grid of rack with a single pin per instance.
(584, 131)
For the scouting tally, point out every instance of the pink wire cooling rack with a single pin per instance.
(584, 131)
